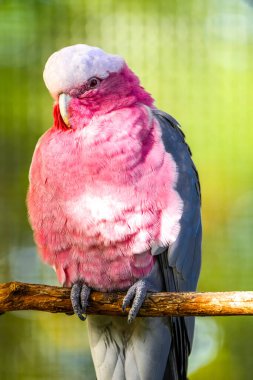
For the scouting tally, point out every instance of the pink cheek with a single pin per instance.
(77, 114)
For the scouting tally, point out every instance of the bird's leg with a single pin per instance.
(137, 292)
(79, 298)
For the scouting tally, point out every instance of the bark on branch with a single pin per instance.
(22, 296)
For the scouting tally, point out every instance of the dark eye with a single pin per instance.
(93, 82)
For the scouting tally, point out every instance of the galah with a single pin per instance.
(114, 203)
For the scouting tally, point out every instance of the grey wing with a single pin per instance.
(180, 263)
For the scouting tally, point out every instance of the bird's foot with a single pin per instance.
(79, 298)
(137, 292)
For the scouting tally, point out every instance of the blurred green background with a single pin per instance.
(196, 58)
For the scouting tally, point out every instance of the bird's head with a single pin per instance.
(85, 81)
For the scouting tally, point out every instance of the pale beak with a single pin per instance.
(63, 101)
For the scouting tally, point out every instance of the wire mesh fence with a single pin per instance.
(195, 57)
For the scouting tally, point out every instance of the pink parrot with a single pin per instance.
(114, 203)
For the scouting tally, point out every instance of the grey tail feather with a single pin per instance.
(180, 347)
(172, 370)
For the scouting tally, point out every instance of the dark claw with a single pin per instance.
(69, 313)
(79, 298)
(137, 293)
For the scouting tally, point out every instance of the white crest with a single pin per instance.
(73, 65)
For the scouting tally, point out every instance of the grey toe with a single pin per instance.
(137, 294)
(79, 298)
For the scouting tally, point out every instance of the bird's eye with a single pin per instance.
(93, 82)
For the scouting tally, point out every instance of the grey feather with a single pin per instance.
(136, 351)
(180, 263)
(184, 256)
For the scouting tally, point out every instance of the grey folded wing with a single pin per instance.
(180, 263)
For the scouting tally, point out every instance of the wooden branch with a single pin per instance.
(21, 296)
